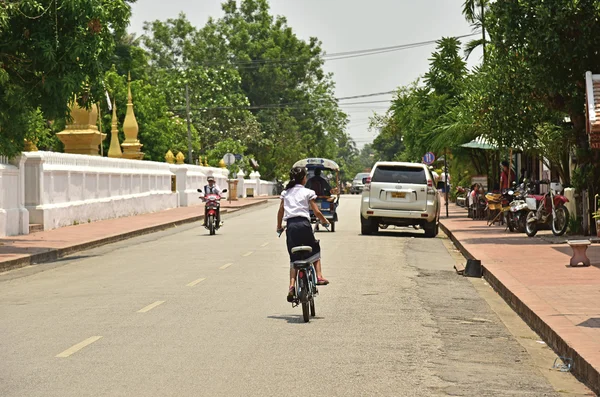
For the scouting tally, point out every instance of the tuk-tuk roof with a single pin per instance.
(313, 163)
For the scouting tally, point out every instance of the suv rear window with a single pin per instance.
(400, 174)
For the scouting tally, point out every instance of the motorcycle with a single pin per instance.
(213, 207)
(548, 208)
(516, 218)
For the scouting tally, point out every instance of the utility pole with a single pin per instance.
(446, 180)
(189, 123)
(101, 140)
(482, 5)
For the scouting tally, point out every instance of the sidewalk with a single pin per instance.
(560, 303)
(19, 251)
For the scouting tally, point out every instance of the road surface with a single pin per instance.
(182, 313)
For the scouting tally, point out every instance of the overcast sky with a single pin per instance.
(348, 25)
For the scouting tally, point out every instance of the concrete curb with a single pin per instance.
(55, 254)
(582, 369)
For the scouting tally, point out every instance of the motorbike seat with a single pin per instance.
(298, 265)
(302, 248)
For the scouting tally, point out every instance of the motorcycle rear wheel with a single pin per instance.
(531, 227)
(560, 222)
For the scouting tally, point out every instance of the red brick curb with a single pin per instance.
(581, 368)
(53, 254)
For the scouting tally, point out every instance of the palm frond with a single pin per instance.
(472, 45)
(469, 10)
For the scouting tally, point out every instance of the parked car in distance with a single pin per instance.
(357, 183)
(400, 194)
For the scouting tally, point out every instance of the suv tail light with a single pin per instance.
(367, 183)
(430, 188)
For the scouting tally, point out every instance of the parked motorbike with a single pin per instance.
(516, 218)
(212, 210)
(548, 209)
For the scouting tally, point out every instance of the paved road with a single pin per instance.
(181, 313)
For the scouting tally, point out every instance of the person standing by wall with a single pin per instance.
(506, 178)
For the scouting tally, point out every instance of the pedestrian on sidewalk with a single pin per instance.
(505, 181)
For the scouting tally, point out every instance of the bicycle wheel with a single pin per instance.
(305, 313)
(303, 297)
(312, 307)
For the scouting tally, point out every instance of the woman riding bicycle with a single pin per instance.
(296, 201)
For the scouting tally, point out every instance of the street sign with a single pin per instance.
(238, 157)
(229, 159)
(429, 158)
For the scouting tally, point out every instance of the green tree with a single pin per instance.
(160, 129)
(283, 78)
(178, 54)
(415, 121)
(49, 50)
(475, 13)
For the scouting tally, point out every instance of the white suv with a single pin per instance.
(400, 194)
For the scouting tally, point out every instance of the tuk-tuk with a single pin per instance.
(327, 200)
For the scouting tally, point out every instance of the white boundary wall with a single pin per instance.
(14, 218)
(58, 189)
(190, 178)
(259, 187)
(65, 189)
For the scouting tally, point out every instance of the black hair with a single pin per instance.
(317, 171)
(297, 174)
(505, 163)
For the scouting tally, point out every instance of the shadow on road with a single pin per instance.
(295, 319)
(398, 233)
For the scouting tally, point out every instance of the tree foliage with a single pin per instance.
(253, 85)
(49, 51)
(528, 94)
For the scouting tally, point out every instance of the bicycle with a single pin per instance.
(306, 281)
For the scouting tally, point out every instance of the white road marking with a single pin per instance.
(78, 346)
(225, 266)
(196, 282)
(248, 253)
(150, 307)
(265, 244)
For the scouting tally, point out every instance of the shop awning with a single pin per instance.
(481, 143)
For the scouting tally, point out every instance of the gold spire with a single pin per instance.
(169, 158)
(132, 146)
(115, 148)
(130, 125)
(81, 134)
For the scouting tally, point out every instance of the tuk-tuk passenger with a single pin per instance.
(319, 184)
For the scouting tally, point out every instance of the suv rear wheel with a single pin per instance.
(431, 229)
(368, 226)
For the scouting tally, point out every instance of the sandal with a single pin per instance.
(322, 281)
(291, 294)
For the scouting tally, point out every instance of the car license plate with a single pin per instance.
(398, 195)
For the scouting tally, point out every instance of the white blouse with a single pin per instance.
(296, 202)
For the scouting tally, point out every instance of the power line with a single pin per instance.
(299, 105)
(333, 56)
(367, 95)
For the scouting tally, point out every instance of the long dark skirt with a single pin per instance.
(299, 232)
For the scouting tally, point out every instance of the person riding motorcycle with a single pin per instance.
(212, 188)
